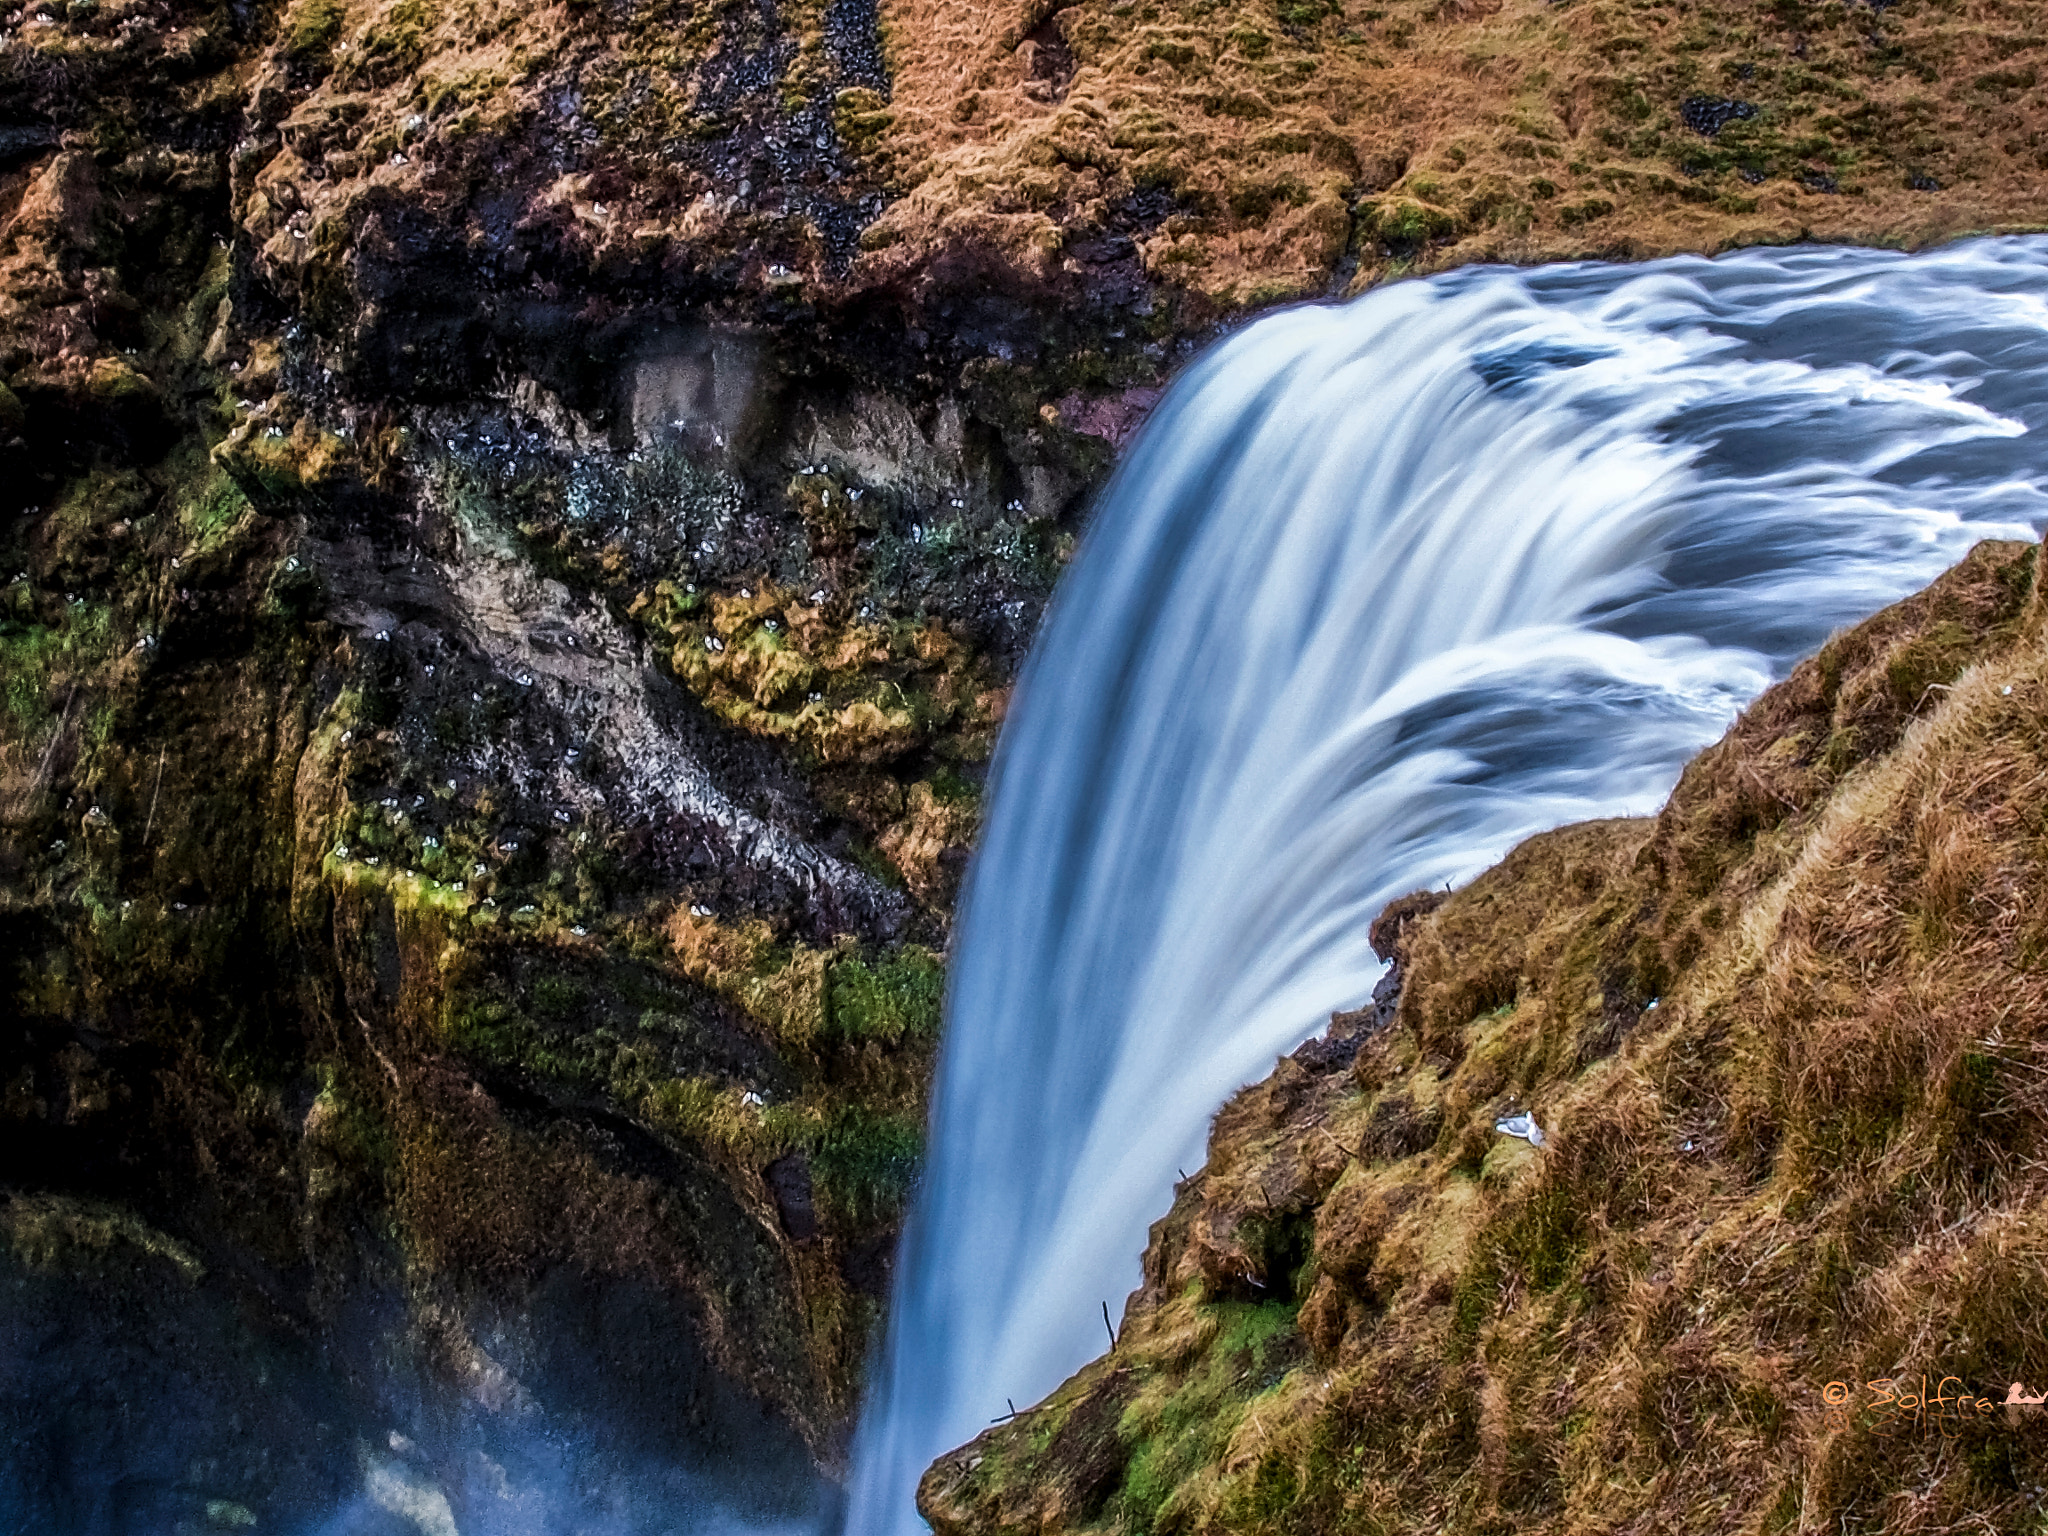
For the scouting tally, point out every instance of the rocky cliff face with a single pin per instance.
(487, 759)
(1783, 1046)
(518, 526)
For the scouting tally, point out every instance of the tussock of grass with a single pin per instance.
(1818, 1158)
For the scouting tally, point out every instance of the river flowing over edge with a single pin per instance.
(1380, 591)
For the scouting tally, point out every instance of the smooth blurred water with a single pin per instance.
(1380, 590)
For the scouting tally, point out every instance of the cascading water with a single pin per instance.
(1379, 591)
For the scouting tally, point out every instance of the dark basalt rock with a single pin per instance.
(789, 1180)
(1708, 115)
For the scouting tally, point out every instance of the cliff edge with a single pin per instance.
(1768, 1261)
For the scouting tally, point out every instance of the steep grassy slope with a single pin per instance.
(1788, 1044)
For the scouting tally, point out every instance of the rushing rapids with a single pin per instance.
(1379, 591)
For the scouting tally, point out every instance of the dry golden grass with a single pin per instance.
(1460, 130)
(1820, 1157)
(1251, 153)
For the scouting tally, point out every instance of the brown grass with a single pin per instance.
(1443, 133)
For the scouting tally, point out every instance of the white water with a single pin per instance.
(1379, 591)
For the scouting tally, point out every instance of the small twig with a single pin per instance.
(1750, 769)
(1331, 1137)
(370, 1039)
(55, 736)
(1106, 1324)
(155, 792)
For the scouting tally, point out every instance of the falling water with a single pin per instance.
(1379, 591)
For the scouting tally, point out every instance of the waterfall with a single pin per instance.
(1380, 590)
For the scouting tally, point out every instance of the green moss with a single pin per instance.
(896, 999)
(36, 660)
(1300, 14)
(559, 998)
(310, 29)
(210, 506)
(866, 1163)
(1406, 221)
(1929, 660)
(1178, 1426)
